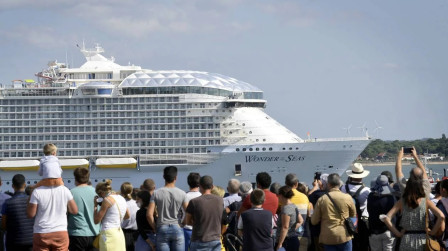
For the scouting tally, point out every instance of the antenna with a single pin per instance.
(377, 128)
(347, 129)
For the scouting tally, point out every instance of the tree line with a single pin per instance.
(439, 146)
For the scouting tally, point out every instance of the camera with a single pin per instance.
(317, 175)
(99, 200)
(407, 150)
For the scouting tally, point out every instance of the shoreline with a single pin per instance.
(392, 163)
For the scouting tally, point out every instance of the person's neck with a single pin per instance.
(208, 191)
(82, 185)
(257, 206)
(170, 185)
(194, 189)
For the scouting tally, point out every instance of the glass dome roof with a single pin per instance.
(186, 78)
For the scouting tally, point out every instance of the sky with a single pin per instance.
(324, 66)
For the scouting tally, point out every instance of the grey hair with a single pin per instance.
(334, 180)
(233, 186)
(291, 180)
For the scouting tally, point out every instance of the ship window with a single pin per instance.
(244, 149)
(270, 148)
(264, 148)
(257, 149)
(250, 149)
(237, 149)
(290, 148)
(238, 170)
(284, 148)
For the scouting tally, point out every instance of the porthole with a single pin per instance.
(244, 124)
(250, 149)
(256, 140)
(284, 148)
(264, 140)
(290, 148)
(69, 181)
(35, 182)
(244, 149)
(257, 149)
(237, 149)
(264, 148)
(297, 148)
(270, 148)
(250, 132)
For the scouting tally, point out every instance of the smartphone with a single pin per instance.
(317, 175)
(407, 150)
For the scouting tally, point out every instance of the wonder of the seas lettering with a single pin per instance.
(289, 158)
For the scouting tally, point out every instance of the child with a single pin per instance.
(255, 225)
(50, 168)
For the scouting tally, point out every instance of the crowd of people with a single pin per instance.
(332, 215)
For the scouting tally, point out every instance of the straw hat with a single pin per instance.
(357, 171)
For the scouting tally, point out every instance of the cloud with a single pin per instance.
(288, 12)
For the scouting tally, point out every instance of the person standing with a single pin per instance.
(263, 180)
(113, 210)
(380, 201)
(300, 200)
(49, 204)
(129, 226)
(289, 220)
(19, 228)
(255, 225)
(193, 183)
(359, 193)
(233, 187)
(168, 201)
(3, 197)
(413, 206)
(333, 233)
(146, 240)
(319, 189)
(81, 227)
(205, 214)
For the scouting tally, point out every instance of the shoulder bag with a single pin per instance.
(351, 229)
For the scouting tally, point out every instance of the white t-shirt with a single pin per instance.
(131, 223)
(51, 213)
(189, 196)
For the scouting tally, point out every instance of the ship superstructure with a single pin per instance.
(127, 123)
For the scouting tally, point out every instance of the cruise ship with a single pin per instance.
(126, 123)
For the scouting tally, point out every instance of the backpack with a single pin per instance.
(361, 239)
(232, 218)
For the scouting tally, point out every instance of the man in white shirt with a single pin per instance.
(49, 207)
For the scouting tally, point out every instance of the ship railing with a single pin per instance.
(335, 139)
(35, 91)
(196, 158)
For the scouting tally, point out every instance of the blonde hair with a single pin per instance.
(104, 187)
(49, 149)
(217, 190)
(126, 190)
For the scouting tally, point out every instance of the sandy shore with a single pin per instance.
(404, 163)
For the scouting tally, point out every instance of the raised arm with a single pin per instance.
(398, 166)
(419, 163)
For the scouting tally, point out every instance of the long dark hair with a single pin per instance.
(413, 191)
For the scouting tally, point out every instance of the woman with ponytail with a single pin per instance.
(111, 212)
(129, 226)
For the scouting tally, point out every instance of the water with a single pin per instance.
(375, 171)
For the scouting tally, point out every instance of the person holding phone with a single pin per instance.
(418, 172)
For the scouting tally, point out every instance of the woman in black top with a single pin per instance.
(146, 240)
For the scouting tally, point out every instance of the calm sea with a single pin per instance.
(376, 170)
